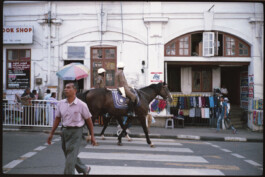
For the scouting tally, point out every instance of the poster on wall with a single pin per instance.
(251, 86)
(244, 89)
(18, 75)
(156, 76)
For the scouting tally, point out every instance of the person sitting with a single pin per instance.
(122, 82)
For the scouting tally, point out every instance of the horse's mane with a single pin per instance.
(82, 96)
(156, 87)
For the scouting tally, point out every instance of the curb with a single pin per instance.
(141, 135)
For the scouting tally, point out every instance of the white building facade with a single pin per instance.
(194, 47)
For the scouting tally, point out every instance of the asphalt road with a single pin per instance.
(28, 153)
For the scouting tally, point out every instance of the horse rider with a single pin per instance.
(122, 82)
(100, 82)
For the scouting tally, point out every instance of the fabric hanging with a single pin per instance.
(154, 106)
(192, 112)
(186, 112)
(203, 102)
(207, 113)
(259, 119)
(181, 102)
(162, 104)
(197, 112)
(215, 102)
(200, 102)
(191, 102)
(211, 100)
(202, 113)
(194, 102)
(207, 103)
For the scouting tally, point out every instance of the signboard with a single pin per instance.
(18, 75)
(156, 77)
(244, 89)
(17, 34)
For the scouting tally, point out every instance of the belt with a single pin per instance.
(71, 127)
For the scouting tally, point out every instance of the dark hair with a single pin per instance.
(75, 85)
(48, 91)
(221, 97)
(53, 94)
(34, 91)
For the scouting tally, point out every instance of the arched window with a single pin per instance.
(207, 44)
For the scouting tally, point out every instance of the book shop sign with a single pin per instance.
(17, 34)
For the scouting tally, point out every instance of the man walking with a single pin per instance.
(73, 113)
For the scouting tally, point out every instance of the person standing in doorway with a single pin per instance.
(73, 113)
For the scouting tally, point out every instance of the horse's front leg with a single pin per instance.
(106, 121)
(143, 123)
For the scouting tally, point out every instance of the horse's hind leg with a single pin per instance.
(123, 130)
(143, 123)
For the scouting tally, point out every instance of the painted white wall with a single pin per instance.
(142, 40)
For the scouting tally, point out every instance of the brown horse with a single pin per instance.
(100, 101)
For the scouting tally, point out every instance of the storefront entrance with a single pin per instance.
(230, 78)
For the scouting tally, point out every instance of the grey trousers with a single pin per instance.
(71, 140)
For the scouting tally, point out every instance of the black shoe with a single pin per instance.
(87, 171)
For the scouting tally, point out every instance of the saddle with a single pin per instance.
(120, 102)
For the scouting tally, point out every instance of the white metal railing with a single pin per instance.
(39, 113)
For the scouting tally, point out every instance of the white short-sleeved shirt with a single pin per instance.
(74, 114)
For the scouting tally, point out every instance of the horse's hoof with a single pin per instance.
(102, 137)
(129, 138)
(119, 144)
(152, 145)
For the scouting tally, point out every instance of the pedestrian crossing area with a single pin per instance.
(138, 158)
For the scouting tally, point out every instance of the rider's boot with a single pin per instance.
(131, 109)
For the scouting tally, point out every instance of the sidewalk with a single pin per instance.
(189, 133)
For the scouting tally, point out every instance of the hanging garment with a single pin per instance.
(215, 102)
(259, 119)
(192, 112)
(191, 102)
(207, 102)
(186, 112)
(185, 103)
(202, 113)
(254, 117)
(181, 102)
(211, 100)
(207, 113)
(200, 102)
(188, 102)
(197, 112)
(154, 106)
(203, 102)
(162, 105)
(197, 101)
(194, 102)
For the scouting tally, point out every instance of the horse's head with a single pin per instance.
(164, 92)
